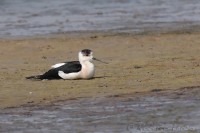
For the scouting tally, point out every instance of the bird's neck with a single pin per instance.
(87, 64)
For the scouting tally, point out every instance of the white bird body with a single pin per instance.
(86, 72)
(82, 69)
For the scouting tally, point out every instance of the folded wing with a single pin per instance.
(66, 67)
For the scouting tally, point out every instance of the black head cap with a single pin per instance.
(86, 52)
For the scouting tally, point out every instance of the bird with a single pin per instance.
(82, 69)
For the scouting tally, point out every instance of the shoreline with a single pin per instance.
(137, 63)
(152, 111)
(189, 92)
(192, 29)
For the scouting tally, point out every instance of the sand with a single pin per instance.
(137, 63)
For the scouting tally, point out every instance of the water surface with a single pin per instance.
(36, 17)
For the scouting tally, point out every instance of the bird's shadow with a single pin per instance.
(100, 77)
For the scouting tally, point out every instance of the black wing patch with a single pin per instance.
(69, 67)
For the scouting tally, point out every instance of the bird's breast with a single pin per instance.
(87, 71)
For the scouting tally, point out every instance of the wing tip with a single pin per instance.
(37, 77)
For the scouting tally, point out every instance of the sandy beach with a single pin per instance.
(137, 63)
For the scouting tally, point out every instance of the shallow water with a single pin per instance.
(36, 17)
(169, 113)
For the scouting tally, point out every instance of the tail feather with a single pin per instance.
(36, 77)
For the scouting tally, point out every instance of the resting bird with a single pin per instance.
(82, 69)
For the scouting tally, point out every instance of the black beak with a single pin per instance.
(99, 60)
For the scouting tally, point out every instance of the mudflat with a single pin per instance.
(137, 63)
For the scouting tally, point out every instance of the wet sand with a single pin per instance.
(137, 63)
